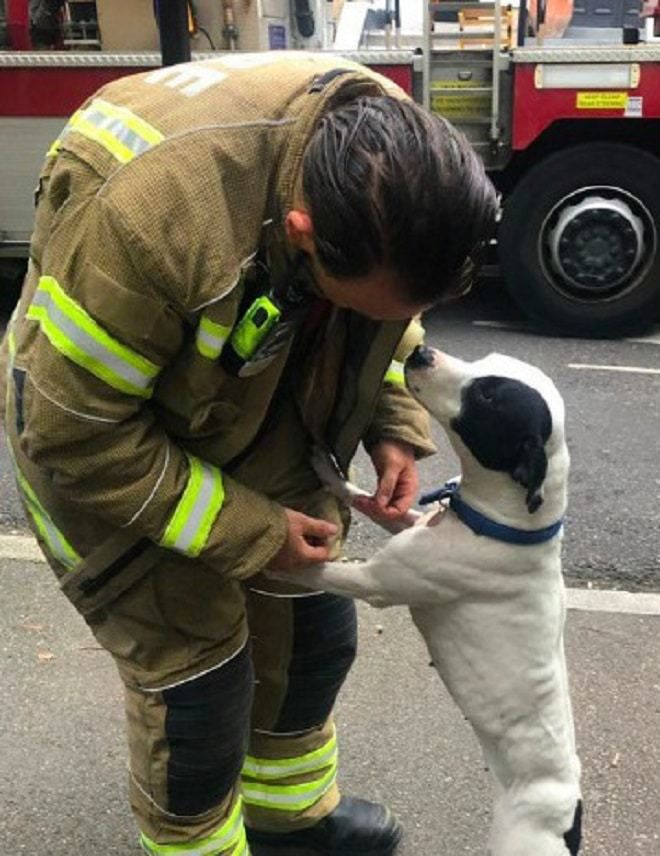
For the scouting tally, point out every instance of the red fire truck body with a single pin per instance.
(570, 134)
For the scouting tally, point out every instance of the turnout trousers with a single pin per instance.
(229, 708)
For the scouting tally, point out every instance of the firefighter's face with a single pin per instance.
(379, 295)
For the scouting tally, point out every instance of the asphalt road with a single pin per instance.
(63, 757)
(613, 428)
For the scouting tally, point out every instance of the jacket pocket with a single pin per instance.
(109, 572)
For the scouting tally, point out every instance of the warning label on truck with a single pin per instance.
(601, 100)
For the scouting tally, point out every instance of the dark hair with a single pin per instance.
(389, 184)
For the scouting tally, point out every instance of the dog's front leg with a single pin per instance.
(351, 579)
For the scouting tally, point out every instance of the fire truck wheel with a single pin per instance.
(579, 240)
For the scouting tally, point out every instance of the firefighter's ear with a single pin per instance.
(300, 230)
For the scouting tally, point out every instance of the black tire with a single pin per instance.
(571, 262)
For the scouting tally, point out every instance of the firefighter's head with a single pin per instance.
(393, 205)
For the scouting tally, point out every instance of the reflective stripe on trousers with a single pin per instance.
(228, 839)
(318, 768)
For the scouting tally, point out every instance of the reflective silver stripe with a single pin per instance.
(75, 334)
(117, 129)
(289, 798)
(57, 544)
(211, 338)
(266, 768)
(230, 834)
(202, 499)
(395, 373)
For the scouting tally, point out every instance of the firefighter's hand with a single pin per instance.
(308, 541)
(398, 482)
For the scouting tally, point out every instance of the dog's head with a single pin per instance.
(506, 414)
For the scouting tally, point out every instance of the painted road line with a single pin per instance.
(628, 369)
(651, 338)
(632, 603)
(23, 548)
(644, 340)
(499, 325)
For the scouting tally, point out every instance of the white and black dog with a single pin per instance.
(483, 581)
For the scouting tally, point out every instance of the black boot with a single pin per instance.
(355, 828)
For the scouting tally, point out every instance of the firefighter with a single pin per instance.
(225, 263)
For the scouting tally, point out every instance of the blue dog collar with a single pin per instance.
(482, 525)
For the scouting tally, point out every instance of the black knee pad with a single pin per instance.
(324, 647)
(206, 727)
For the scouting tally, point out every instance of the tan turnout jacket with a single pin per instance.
(152, 206)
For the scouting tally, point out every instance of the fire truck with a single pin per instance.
(564, 111)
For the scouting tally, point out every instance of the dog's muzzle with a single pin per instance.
(421, 358)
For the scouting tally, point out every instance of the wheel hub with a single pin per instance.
(597, 243)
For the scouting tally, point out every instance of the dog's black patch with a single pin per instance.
(506, 424)
(573, 837)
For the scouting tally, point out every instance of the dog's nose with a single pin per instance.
(421, 358)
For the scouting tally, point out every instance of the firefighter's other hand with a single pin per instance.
(308, 541)
(398, 482)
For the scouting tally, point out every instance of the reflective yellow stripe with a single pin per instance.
(54, 149)
(11, 349)
(395, 374)
(291, 798)
(120, 131)
(57, 144)
(268, 768)
(295, 796)
(230, 837)
(190, 525)
(11, 345)
(57, 544)
(211, 338)
(76, 335)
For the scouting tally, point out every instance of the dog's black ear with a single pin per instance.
(530, 469)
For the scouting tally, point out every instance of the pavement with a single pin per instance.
(62, 749)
